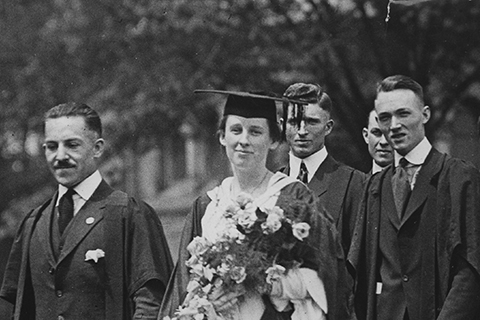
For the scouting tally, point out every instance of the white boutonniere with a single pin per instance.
(94, 255)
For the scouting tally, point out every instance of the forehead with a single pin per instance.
(311, 110)
(246, 122)
(372, 120)
(64, 128)
(396, 99)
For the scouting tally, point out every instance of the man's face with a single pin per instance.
(71, 149)
(401, 117)
(378, 147)
(314, 127)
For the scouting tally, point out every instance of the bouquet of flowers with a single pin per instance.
(256, 246)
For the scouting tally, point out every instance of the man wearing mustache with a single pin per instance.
(416, 246)
(378, 147)
(90, 252)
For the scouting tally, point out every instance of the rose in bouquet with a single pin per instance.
(255, 246)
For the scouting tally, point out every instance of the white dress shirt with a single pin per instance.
(312, 162)
(83, 191)
(416, 157)
(376, 168)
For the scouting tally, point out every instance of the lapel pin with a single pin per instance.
(90, 220)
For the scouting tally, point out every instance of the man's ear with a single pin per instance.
(99, 147)
(329, 125)
(426, 114)
(365, 135)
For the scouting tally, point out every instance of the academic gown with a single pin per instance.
(323, 234)
(339, 189)
(130, 234)
(437, 235)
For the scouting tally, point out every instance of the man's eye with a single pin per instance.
(72, 145)
(292, 121)
(377, 133)
(51, 147)
(383, 119)
(312, 122)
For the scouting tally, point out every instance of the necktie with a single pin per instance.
(401, 186)
(65, 210)
(303, 174)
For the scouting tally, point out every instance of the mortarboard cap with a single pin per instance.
(250, 105)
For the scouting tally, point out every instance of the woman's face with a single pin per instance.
(247, 141)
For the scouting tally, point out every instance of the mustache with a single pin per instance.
(63, 164)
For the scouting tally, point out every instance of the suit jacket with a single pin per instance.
(436, 243)
(129, 233)
(339, 189)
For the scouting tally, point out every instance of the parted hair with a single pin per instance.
(400, 82)
(311, 93)
(74, 109)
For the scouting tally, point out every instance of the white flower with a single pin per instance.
(94, 255)
(301, 230)
(198, 246)
(274, 272)
(238, 274)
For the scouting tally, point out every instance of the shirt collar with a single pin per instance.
(376, 168)
(312, 162)
(417, 155)
(84, 189)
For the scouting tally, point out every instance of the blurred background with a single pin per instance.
(137, 62)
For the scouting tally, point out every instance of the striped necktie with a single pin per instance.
(303, 174)
(401, 186)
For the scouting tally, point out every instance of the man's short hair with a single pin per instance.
(311, 93)
(400, 82)
(73, 109)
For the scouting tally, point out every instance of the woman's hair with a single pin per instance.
(273, 128)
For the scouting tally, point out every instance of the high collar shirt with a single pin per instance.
(83, 191)
(376, 168)
(312, 162)
(416, 157)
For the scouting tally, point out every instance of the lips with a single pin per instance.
(60, 167)
(243, 152)
(302, 141)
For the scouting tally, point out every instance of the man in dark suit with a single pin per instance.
(378, 147)
(90, 252)
(416, 251)
(338, 187)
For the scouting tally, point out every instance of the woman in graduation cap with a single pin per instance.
(248, 131)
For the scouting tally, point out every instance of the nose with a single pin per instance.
(383, 141)
(394, 123)
(302, 129)
(61, 153)
(243, 139)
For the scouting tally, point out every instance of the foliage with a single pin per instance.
(138, 62)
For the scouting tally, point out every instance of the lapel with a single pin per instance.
(420, 192)
(78, 228)
(321, 179)
(44, 230)
(388, 203)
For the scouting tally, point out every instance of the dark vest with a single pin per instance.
(73, 288)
